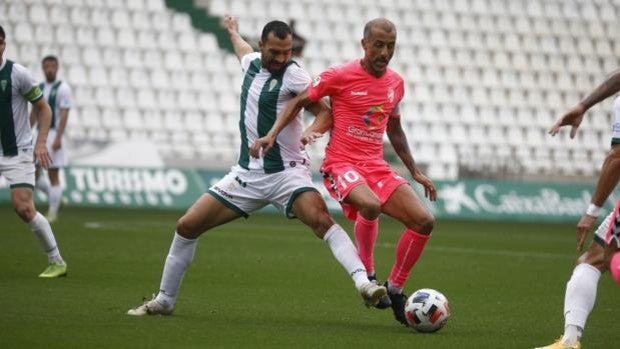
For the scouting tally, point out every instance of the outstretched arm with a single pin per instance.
(241, 47)
(574, 116)
(287, 115)
(322, 122)
(398, 139)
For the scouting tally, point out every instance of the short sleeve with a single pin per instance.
(395, 113)
(64, 96)
(297, 79)
(247, 60)
(26, 85)
(326, 84)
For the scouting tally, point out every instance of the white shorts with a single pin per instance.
(605, 234)
(59, 159)
(18, 170)
(246, 191)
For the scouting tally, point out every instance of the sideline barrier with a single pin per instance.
(462, 199)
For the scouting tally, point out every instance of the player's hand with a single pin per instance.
(429, 188)
(572, 118)
(42, 156)
(583, 227)
(230, 24)
(264, 143)
(309, 137)
(57, 144)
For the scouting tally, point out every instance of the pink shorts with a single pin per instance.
(340, 178)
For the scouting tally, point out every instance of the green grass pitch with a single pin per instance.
(269, 283)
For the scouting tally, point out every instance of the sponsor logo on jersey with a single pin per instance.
(3, 84)
(359, 93)
(373, 118)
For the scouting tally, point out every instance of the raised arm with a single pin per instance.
(574, 116)
(241, 47)
(287, 115)
(398, 139)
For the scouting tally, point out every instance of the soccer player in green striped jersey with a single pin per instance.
(18, 153)
(280, 177)
(58, 95)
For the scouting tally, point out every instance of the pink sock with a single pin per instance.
(365, 236)
(408, 251)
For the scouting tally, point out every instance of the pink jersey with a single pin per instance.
(361, 105)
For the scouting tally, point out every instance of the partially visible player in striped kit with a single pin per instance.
(58, 96)
(280, 177)
(582, 286)
(18, 153)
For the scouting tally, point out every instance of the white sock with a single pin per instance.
(43, 183)
(55, 192)
(579, 300)
(343, 249)
(179, 259)
(42, 230)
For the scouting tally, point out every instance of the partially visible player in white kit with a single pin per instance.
(58, 96)
(18, 153)
(280, 177)
(581, 288)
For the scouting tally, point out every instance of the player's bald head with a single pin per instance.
(380, 24)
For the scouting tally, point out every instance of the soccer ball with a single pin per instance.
(427, 310)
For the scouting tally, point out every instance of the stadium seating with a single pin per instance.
(484, 78)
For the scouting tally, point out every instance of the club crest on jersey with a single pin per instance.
(390, 95)
(272, 84)
(3, 84)
(316, 81)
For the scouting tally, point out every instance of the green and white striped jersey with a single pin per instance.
(263, 96)
(58, 96)
(17, 88)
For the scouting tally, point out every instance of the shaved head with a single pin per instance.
(379, 23)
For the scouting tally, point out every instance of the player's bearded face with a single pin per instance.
(275, 52)
(50, 68)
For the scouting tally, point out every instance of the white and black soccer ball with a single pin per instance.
(427, 310)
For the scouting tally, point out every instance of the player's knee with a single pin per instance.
(595, 258)
(25, 211)
(321, 223)
(425, 224)
(370, 209)
(187, 229)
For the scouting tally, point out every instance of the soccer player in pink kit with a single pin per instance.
(365, 95)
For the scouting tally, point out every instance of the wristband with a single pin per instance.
(593, 210)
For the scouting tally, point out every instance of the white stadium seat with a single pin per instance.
(481, 66)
